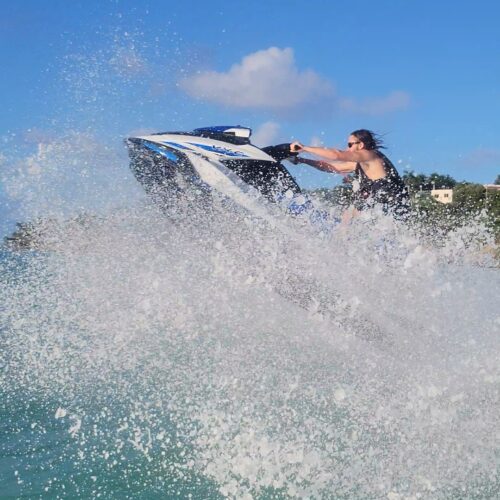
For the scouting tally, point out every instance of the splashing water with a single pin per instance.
(213, 355)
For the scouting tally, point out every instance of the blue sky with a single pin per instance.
(77, 77)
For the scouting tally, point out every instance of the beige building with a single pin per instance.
(442, 195)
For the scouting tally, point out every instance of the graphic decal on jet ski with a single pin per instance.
(164, 152)
(219, 150)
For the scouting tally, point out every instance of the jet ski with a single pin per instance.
(209, 161)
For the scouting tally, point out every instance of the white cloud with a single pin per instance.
(270, 79)
(266, 134)
(395, 101)
(266, 79)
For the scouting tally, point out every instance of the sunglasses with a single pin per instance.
(351, 144)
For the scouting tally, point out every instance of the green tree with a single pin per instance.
(418, 182)
(469, 197)
(493, 207)
(415, 182)
(439, 181)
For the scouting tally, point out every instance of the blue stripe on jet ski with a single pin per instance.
(220, 150)
(164, 152)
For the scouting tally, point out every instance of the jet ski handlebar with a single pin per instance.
(280, 151)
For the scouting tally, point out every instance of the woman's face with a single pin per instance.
(353, 143)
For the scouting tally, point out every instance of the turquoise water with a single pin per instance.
(224, 358)
(40, 458)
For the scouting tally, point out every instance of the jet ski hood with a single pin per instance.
(207, 142)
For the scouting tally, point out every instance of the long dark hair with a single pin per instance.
(370, 139)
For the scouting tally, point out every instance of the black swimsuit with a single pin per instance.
(389, 191)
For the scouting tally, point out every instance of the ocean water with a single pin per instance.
(216, 355)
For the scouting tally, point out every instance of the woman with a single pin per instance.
(376, 182)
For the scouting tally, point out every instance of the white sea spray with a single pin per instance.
(388, 385)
